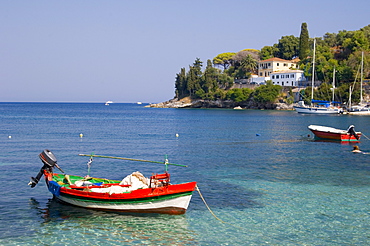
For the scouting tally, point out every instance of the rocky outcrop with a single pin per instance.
(173, 103)
(200, 103)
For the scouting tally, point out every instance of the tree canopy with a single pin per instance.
(303, 42)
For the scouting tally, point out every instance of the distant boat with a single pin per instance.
(318, 106)
(134, 194)
(359, 110)
(323, 107)
(362, 108)
(330, 133)
(238, 107)
(108, 102)
(139, 102)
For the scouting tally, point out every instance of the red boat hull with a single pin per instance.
(169, 199)
(336, 136)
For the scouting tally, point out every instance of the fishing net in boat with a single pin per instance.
(136, 180)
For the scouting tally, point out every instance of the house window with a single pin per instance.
(285, 64)
(269, 64)
(260, 74)
(282, 83)
(282, 76)
(292, 83)
(273, 76)
(292, 75)
(277, 64)
(277, 76)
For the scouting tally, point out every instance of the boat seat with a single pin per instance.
(162, 179)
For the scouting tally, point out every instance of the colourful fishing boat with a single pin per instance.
(330, 133)
(133, 194)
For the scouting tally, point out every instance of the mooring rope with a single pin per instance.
(365, 136)
(210, 210)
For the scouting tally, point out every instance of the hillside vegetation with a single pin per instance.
(340, 51)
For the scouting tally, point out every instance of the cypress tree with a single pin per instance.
(303, 42)
(181, 84)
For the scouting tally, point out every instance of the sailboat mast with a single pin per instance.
(362, 71)
(313, 69)
(333, 84)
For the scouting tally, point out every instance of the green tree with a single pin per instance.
(240, 56)
(288, 47)
(220, 94)
(181, 84)
(331, 39)
(209, 79)
(225, 81)
(249, 64)
(356, 42)
(268, 52)
(267, 93)
(223, 59)
(303, 42)
(246, 67)
(194, 77)
(239, 95)
(323, 92)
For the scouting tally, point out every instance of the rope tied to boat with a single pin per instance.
(210, 210)
(365, 136)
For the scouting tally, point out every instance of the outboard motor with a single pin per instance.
(351, 131)
(50, 161)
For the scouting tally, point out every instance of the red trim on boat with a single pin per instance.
(135, 194)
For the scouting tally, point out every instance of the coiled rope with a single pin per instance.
(210, 210)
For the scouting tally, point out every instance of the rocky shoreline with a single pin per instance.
(200, 103)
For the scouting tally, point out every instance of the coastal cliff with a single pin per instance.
(201, 103)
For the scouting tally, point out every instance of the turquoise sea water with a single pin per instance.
(259, 171)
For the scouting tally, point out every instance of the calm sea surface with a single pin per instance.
(259, 171)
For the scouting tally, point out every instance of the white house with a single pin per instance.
(266, 67)
(287, 77)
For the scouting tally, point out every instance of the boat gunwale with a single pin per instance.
(161, 192)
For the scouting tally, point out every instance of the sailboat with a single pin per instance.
(320, 107)
(362, 108)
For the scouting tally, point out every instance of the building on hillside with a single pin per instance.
(254, 79)
(288, 78)
(266, 67)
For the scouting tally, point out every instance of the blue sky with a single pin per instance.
(129, 51)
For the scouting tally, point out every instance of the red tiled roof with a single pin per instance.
(275, 59)
(288, 71)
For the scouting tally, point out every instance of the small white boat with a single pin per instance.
(330, 133)
(108, 102)
(139, 103)
(359, 110)
(238, 107)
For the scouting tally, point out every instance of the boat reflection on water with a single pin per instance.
(311, 137)
(110, 227)
(334, 141)
(57, 211)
